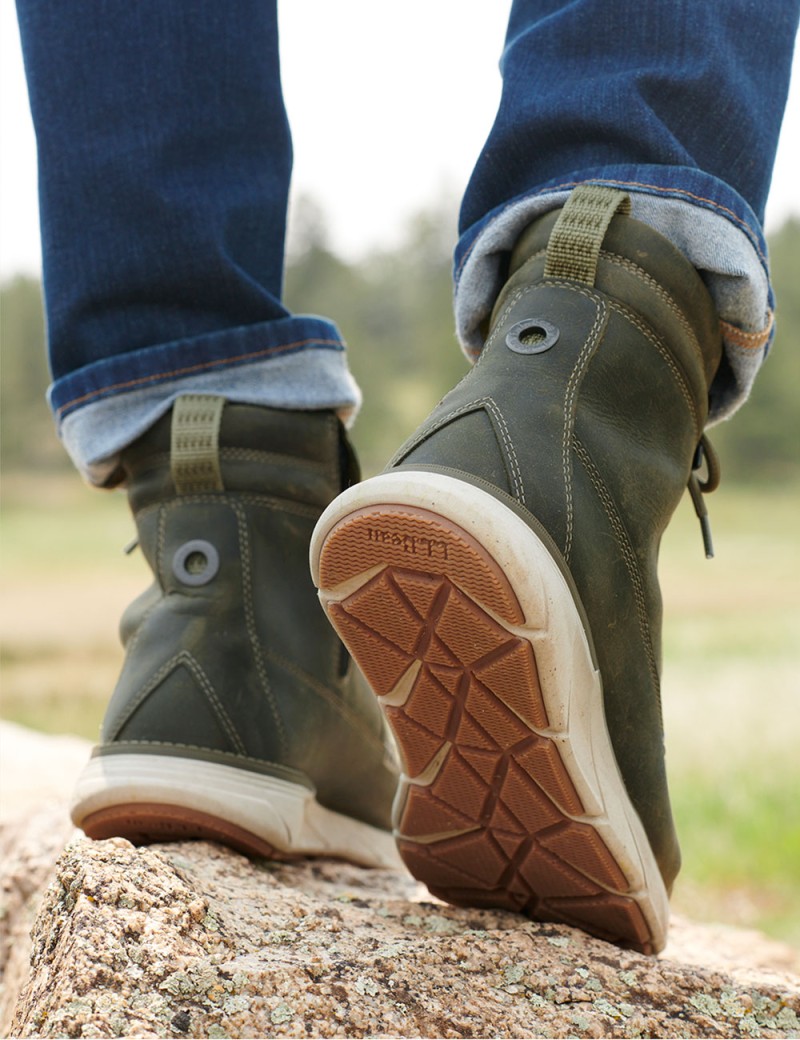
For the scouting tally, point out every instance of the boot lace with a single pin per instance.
(698, 488)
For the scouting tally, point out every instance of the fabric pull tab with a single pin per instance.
(194, 454)
(578, 234)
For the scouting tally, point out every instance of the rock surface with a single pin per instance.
(193, 940)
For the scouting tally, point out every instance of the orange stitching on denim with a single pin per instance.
(748, 340)
(649, 187)
(195, 368)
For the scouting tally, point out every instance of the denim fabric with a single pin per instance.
(165, 160)
(116, 420)
(593, 84)
(722, 245)
(678, 102)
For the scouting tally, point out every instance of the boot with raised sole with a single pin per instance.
(238, 716)
(497, 583)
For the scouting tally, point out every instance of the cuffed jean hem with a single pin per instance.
(292, 363)
(704, 218)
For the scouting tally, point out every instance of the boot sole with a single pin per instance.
(156, 798)
(467, 631)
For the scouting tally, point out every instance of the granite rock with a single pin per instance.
(194, 940)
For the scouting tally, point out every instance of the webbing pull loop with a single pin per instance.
(194, 449)
(577, 236)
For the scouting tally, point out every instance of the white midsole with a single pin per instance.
(285, 815)
(571, 686)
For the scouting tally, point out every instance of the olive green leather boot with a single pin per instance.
(238, 716)
(497, 584)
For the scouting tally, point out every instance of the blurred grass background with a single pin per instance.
(731, 686)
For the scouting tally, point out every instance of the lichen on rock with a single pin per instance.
(194, 940)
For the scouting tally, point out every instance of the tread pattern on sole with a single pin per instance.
(488, 812)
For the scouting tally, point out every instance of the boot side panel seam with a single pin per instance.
(216, 704)
(130, 708)
(136, 635)
(571, 404)
(428, 430)
(336, 705)
(333, 468)
(659, 290)
(571, 394)
(257, 455)
(628, 556)
(499, 425)
(161, 542)
(250, 621)
(182, 659)
(237, 761)
(247, 498)
(683, 385)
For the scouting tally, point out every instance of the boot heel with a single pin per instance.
(150, 798)
(469, 635)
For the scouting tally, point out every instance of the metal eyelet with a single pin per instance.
(532, 336)
(195, 563)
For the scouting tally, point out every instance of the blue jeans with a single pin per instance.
(165, 159)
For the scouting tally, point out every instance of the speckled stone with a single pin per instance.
(194, 940)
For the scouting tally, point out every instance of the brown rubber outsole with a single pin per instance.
(488, 815)
(148, 823)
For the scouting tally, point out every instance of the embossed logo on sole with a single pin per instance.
(414, 545)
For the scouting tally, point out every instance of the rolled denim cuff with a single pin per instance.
(294, 363)
(704, 218)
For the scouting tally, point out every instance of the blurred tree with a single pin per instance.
(27, 437)
(395, 312)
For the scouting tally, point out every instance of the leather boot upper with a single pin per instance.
(228, 655)
(583, 413)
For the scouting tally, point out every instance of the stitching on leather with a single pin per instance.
(423, 435)
(655, 287)
(341, 709)
(250, 621)
(279, 505)
(662, 293)
(144, 693)
(205, 683)
(161, 538)
(491, 406)
(516, 474)
(648, 333)
(275, 457)
(501, 318)
(134, 639)
(230, 498)
(185, 659)
(332, 466)
(572, 386)
(239, 758)
(570, 403)
(628, 555)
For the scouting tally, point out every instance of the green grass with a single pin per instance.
(58, 525)
(732, 717)
(730, 691)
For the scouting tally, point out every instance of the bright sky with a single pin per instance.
(390, 105)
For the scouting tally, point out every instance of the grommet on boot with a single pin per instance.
(237, 716)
